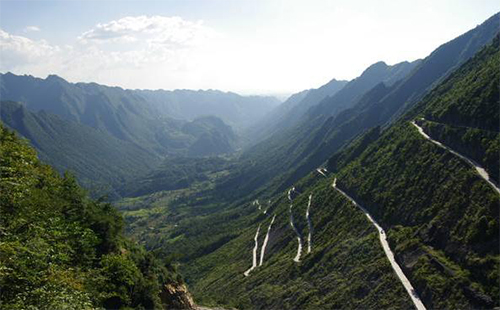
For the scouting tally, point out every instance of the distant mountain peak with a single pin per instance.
(54, 77)
(375, 68)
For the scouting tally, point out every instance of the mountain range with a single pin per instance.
(107, 135)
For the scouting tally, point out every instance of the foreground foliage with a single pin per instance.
(60, 249)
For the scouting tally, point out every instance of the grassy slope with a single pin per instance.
(441, 219)
(444, 217)
(346, 268)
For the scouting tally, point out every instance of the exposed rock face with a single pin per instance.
(176, 296)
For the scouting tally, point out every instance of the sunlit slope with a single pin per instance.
(440, 216)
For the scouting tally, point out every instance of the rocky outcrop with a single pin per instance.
(176, 296)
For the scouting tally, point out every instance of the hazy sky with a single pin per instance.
(251, 46)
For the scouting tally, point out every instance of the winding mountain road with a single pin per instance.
(321, 171)
(299, 236)
(290, 194)
(309, 224)
(254, 258)
(480, 170)
(390, 256)
(256, 203)
(266, 239)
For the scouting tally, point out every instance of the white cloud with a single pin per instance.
(31, 29)
(172, 32)
(20, 51)
(132, 52)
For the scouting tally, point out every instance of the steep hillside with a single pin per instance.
(377, 73)
(96, 158)
(102, 162)
(337, 94)
(439, 215)
(289, 112)
(118, 112)
(380, 106)
(62, 250)
(467, 118)
(443, 216)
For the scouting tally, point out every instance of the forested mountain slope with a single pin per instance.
(444, 216)
(467, 118)
(102, 162)
(145, 118)
(304, 104)
(118, 112)
(107, 107)
(97, 158)
(377, 73)
(62, 250)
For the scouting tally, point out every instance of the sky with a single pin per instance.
(275, 47)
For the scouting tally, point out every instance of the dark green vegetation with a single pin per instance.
(175, 173)
(480, 145)
(88, 152)
(463, 113)
(61, 250)
(213, 137)
(441, 217)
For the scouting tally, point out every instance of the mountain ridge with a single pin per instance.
(440, 217)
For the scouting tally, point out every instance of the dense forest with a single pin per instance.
(62, 250)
